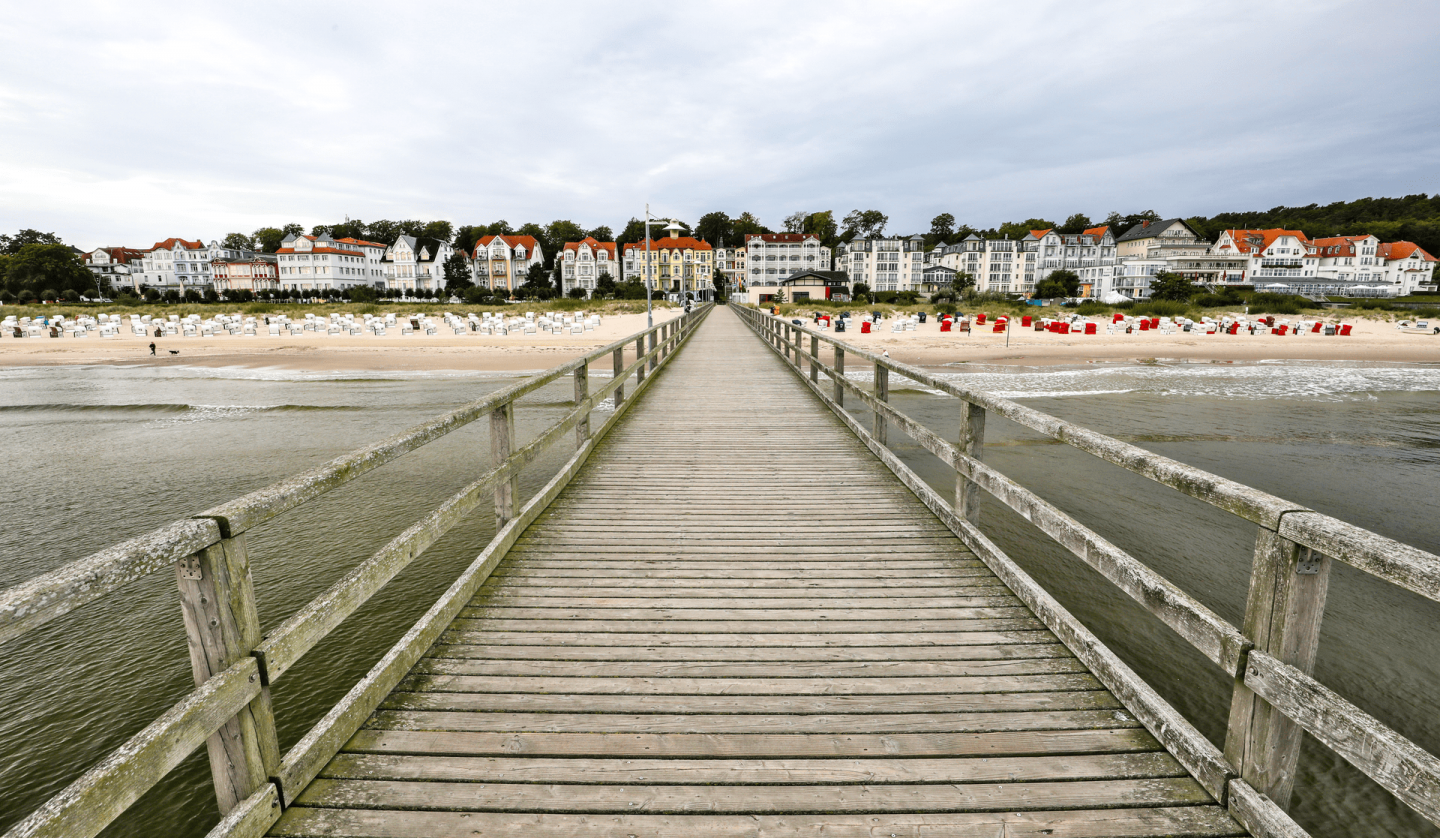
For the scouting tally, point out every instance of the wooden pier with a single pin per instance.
(735, 613)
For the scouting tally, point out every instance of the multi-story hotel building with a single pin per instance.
(1410, 269)
(502, 262)
(116, 267)
(1004, 265)
(321, 263)
(582, 263)
(882, 264)
(771, 257)
(731, 262)
(680, 265)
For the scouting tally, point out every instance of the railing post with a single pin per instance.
(880, 428)
(795, 334)
(502, 432)
(639, 361)
(217, 599)
(839, 374)
(1288, 584)
(619, 361)
(582, 392)
(972, 442)
(814, 363)
(653, 359)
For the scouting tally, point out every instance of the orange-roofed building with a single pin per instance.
(1089, 253)
(1350, 261)
(1276, 259)
(679, 265)
(1408, 267)
(116, 267)
(501, 263)
(582, 264)
(177, 264)
(322, 263)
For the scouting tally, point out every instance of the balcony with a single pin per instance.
(1281, 262)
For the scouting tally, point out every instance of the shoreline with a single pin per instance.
(1371, 342)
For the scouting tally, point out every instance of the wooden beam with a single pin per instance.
(971, 443)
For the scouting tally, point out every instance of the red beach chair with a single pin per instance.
(1154, 322)
(1025, 322)
(1144, 325)
(865, 327)
(1116, 317)
(999, 327)
(980, 319)
(944, 325)
(1344, 330)
(1315, 330)
(1090, 329)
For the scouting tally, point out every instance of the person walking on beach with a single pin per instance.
(152, 347)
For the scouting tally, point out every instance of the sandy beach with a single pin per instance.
(1372, 340)
(318, 353)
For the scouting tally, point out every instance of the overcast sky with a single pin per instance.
(125, 123)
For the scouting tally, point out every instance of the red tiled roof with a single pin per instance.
(608, 247)
(1391, 251)
(513, 241)
(1268, 237)
(122, 255)
(1040, 234)
(348, 240)
(342, 251)
(1097, 232)
(169, 244)
(675, 243)
(780, 237)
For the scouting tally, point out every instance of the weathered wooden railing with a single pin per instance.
(234, 666)
(1270, 657)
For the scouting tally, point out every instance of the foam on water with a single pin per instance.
(1313, 380)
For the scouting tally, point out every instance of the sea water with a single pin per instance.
(93, 455)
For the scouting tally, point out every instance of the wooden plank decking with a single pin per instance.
(737, 622)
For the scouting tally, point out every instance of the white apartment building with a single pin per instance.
(321, 263)
(883, 264)
(116, 267)
(731, 262)
(771, 257)
(1004, 266)
(180, 265)
(416, 265)
(582, 263)
(501, 263)
(1272, 257)
(1354, 262)
(1410, 269)
(1166, 246)
(1091, 254)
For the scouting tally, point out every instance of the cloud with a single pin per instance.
(124, 124)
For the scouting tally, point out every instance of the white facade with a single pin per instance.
(180, 265)
(1354, 261)
(1003, 266)
(116, 267)
(1271, 256)
(731, 262)
(768, 258)
(1408, 268)
(320, 263)
(583, 262)
(882, 264)
(415, 265)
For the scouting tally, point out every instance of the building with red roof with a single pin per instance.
(322, 263)
(771, 257)
(182, 265)
(1408, 267)
(116, 267)
(501, 263)
(582, 264)
(679, 265)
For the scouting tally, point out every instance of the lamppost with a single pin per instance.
(649, 319)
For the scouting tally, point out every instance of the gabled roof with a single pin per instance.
(830, 277)
(1241, 238)
(1150, 229)
(1039, 234)
(608, 247)
(1097, 232)
(360, 242)
(1337, 245)
(1392, 251)
(169, 244)
(122, 255)
(528, 242)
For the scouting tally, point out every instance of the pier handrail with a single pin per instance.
(234, 667)
(1270, 658)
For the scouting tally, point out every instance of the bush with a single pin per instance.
(72, 296)
(364, 294)
(1268, 303)
(27, 296)
(1162, 308)
(1425, 312)
(49, 294)
(1090, 308)
(576, 293)
(1374, 305)
(1225, 299)
(7, 297)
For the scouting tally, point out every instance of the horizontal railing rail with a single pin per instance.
(234, 666)
(1270, 657)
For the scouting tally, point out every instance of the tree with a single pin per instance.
(719, 280)
(439, 230)
(605, 285)
(1077, 223)
(716, 228)
(822, 224)
(364, 294)
(269, 239)
(746, 224)
(863, 224)
(779, 296)
(1171, 286)
(557, 233)
(634, 232)
(860, 292)
(601, 234)
(10, 245)
(795, 222)
(457, 272)
(1121, 223)
(467, 237)
(499, 228)
(576, 293)
(1061, 283)
(53, 268)
(538, 277)
(963, 281)
(238, 241)
(942, 229)
(1019, 230)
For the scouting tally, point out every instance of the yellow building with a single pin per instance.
(678, 264)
